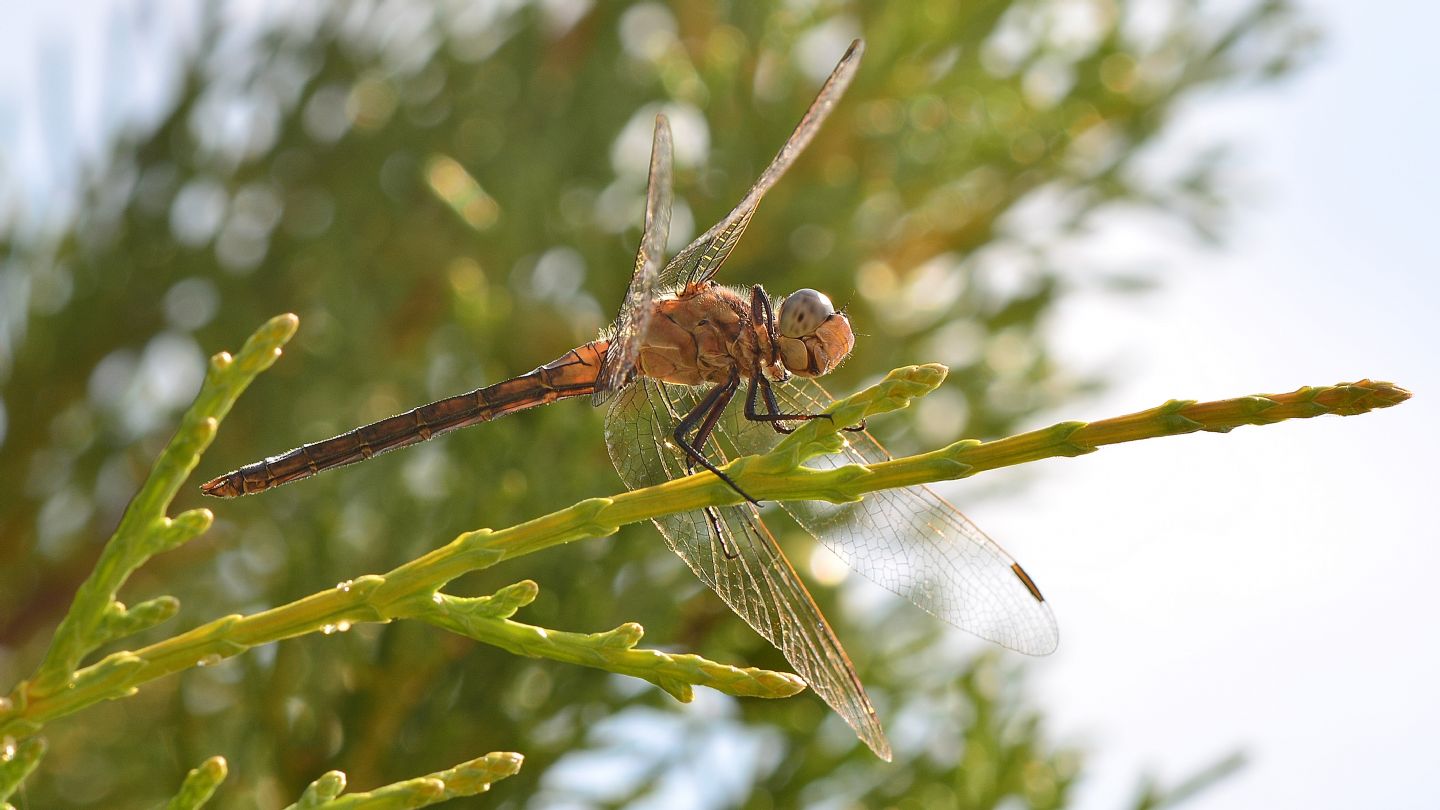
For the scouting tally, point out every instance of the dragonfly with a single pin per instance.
(669, 370)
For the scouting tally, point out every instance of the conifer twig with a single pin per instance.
(487, 619)
(465, 779)
(95, 617)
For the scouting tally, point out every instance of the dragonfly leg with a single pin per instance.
(760, 385)
(712, 516)
(761, 308)
(702, 420)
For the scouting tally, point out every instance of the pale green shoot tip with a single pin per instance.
(200, 784)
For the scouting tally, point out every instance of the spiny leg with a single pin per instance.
(702, 419)
(760, 385)
(775, 416)
(712, 516)
(760, 308)
(711, 408)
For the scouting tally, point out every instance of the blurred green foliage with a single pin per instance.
(450, 194)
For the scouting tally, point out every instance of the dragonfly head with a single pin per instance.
(814, 338)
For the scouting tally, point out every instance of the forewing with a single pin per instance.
(753, 578)
(619, 365)
(913, 542)
(702, 258)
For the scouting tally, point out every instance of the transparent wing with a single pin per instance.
(911, 541)
(619, 364)
(733, 553)
(702, 258)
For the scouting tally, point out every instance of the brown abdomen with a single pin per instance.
(572, 375)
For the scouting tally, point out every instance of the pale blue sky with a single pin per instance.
(1268, 589)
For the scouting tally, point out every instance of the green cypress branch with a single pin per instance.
(95, 617)
(487, 619)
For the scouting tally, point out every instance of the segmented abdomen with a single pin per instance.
(571, 375)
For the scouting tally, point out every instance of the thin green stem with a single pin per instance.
(1174, 418)
(487, 619)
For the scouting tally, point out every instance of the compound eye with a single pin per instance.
(803, 311)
